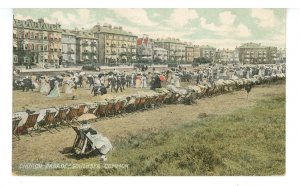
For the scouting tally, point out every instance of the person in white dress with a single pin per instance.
(68, 88)
(144, 81)
(177, 81)
(45, 88)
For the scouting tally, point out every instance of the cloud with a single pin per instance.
(22, 17)
(166, 34)
(265, 18)
(242, 31)
(80, 18)
(180, 17)
(227, 27)
(226, 30)
(137, 16)
(227, 18)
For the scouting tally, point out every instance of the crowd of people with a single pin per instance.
(115, 81)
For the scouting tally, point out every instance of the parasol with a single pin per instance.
(85, 117)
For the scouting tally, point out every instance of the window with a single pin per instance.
(45, 47)
(15, 59)
(69, 47)
(31, 35)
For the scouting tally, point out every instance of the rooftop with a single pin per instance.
(83, 34)
(251, 45)
(207, 46)
(36, 25)
(107, 28)
(67, 32)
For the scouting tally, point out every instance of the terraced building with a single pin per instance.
(115, 45)
(36, 43)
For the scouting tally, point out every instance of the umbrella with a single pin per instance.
(85, 117)
(82, 73)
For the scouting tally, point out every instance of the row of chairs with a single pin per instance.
(65, 116)
(113, 108)
(52, 119)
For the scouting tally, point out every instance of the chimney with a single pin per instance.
(41, 20)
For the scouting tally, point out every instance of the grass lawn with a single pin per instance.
(248, 142)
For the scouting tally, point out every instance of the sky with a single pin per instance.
(221, 28)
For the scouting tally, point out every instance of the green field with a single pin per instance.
(248, 142)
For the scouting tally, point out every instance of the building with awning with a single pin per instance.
(113, 37)
(30, 37)
(175, 48)
(68, 45)
(86, 44)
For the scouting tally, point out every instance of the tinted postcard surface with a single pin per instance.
(154, 92)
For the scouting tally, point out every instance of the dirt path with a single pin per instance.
(49, 147)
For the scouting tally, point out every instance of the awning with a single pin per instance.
(86, 57)
(95, 57)
(46, 57)
(133, 57)
(124, 57)
(114, 57)
(56, 57)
